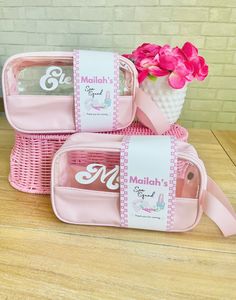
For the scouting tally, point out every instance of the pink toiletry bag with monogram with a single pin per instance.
(146, 182)
(80, 91)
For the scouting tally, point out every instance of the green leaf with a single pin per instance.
(151, 77)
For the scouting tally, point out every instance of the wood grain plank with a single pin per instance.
(6, 139)
(218, 164)
(43, 265)
(4, 162)
(4, 123)
(228, 141)
(1, 105)
(24, 210)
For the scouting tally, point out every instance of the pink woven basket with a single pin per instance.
(31, 156)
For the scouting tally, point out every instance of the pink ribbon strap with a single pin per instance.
(149, 114)
(218, 208)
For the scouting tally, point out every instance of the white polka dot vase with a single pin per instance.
(170, 101)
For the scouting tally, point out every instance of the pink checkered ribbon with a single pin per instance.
(148, 172)
(96, 90)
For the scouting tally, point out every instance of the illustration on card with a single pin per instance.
(147, 202)
(96, 100)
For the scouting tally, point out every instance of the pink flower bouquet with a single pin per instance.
(180, 65)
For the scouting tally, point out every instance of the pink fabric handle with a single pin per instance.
(149, 114)
(218, 208)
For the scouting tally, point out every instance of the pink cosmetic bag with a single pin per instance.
(80, 91)
(148, 182)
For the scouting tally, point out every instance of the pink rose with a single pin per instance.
(180, 65)
(198, 62)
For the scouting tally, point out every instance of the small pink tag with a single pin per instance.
(148, 182)
(96, 90)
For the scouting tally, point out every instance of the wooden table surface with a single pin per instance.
(43, 258)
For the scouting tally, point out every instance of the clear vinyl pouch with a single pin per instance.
(88, 183)
(144, 182)
(58, 92)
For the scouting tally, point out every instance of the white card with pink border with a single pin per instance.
(96, 90)
(148, 182)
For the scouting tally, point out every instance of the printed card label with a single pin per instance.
(148, 182)
(96, 86)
